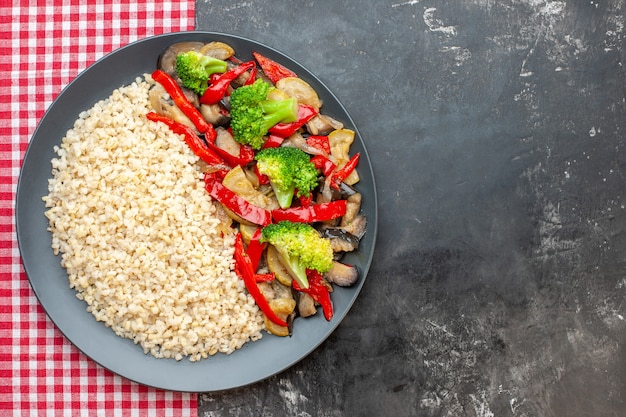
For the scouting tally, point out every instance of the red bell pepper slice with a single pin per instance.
(176, 93)
(235, 203)
(342, 173)
(244, 269)
(263, 179)
(269, 277)
(273, 69)
(313, 213)
(252, 78)
(256, 248)
(320, 142)
(318, 291)
(246, 154)
(273, 141)
(305, 113)
(218, 88)
(195, 143)
(323, 164)
(305, 201)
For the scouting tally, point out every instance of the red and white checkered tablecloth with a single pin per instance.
(44, 44)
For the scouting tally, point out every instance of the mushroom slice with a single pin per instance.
(162, 104)
(353, 207)
(342, 274)
(298, 141)
(219, 50)
(300, 90)
(213, 114)
(224, 140)
(306, 305)
(275, 265)
(167, 60)
(284, 308)
(323, 125)
(340, 239)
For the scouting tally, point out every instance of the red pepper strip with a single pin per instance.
(244, 268)
(305, 201)
(305, 113)
(273, 141)
(341, 174)
(263, 179)
(273, 69)
(236, 204)
(256, 248)
(318, 291)
(269, 277)
(173, 89)
(246, 154)
(313, 213)
(252, 78)
(319, 142)
(324, 164)
(218, 88)
(195, 143)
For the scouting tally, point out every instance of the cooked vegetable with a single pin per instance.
(289, 171)
(318, 290)
(233, 202)
(299, 89)
(301, 247)
(312, 213)
(265, 143)
(183, 103)
(288, 128)
(342, 274)
(219, 87)
(194, 70)
(243, 266)
(273, 69)
(341, 174)
(252, 114)
(197, 145)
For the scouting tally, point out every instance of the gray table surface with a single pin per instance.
(496, 131)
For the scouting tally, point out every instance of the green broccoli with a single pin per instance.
(252, 114)
(301, 247)
(194, 69)
(288, 169)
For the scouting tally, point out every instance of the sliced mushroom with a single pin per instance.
(340, 142)
(342, 274)
(353, 207)
(306, 305)
(357, 226)
(213, 114)
(218, 50)
(167, 60)
(162, 104)
(225, 141)
(237, 181)
(298, 141)
(340, 239)
(284, 308)
(275, 265)
(299, 89)
(323, 125)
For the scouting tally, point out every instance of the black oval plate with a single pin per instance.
(255, 361)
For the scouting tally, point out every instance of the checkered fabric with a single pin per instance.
(44, 44)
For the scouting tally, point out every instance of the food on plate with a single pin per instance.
(141, 241)
(205, 202)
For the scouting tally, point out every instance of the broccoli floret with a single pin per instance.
(301, 247)
(288, 169)
(252, 114)
(194, 69)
